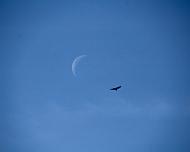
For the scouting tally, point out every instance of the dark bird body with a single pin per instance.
(116, 88)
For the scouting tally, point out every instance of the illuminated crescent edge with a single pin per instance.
(75, 63)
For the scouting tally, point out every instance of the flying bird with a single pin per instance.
(116, 88)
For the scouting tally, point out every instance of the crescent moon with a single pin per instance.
(76, 62)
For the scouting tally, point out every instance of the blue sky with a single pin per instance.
(142, 45)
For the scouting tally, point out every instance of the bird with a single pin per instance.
(116, 88)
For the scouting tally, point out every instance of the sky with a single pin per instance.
(142, 45)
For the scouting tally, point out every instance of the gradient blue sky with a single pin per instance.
(142, 45)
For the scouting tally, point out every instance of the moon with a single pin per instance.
(76, 62)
